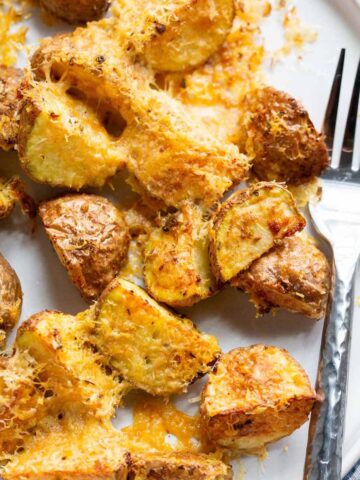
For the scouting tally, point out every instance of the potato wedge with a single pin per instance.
(280, 138)
(176, 260)
(10, 80)
(255, 396)
(62, 141)
(71, 369)
(178, 466)
(249, 224)
(91, 238)
(75, 447)
(77, 12)
(10, 299)
(186, 32)
(295, 276)
(149, 346)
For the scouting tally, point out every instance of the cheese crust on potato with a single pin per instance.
(176, 260)
(249, 224)
(62, 141)
(10, 81)
(91, 238)
(186, 32)
(170, 155)
(255, 396)
(149, 346)
(10, 299)
(280, 138)
(294, 275)
(71, 369)
(76, 12)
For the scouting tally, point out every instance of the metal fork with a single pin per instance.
(337, 219)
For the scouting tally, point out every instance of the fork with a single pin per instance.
(336, 218)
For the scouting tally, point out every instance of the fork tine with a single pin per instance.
(329, 124)
(349, 135)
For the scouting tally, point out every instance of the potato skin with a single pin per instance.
(294, 276)
(280, 138)
(10, 81)
(254, 396)
(249, 224)
(91, 238)
(176, 260)
(164, 353)
(10, 299)
(77, 12)
(178, 466)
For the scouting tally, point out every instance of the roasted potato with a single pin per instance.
(249, 224)
(176, 160)
(176, 260)
(280, 138)
(62, 141)
(76, 12)
(91, 238)
(10, 299)
(186, 32)
(74, 447)
(12, 191)
(150, 347)
(294, 275)
(178, 466)
(10, 80)
(256, 395)
(170, 155)
(70, 367)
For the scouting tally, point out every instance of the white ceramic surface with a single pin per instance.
(229, 315)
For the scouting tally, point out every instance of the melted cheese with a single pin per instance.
(11, 41)
(154, 419)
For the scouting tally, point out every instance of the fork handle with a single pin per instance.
(324, 452)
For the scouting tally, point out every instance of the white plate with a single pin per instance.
(229, 315)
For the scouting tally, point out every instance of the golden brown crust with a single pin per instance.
(79, 11)
(280, 138)
(10, 299)
(295, 276)
(176, 260)
(254, 396)
(10, 80)
(164, 353)
(177, 466)
(12, 191)
(249, 224)
(91, 238)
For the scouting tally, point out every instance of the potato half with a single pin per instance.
(176, 260)
(91, 238)
(280, 138)
(10, 80)
(149, 346)
(255, 396)
(79, 11)
(10, 299)
(174, 36)
(59, 344)
(62, 141)
(249, 224)
(295, 276)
